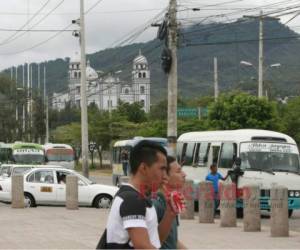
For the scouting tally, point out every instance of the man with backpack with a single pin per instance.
(132, 222)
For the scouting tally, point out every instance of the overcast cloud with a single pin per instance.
(107, 23)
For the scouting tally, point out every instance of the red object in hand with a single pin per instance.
(176, 202)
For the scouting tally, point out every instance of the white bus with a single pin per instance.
(60, 155)
(266, 158)
(119, 146)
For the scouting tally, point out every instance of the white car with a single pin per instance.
(7, 170)
(45, 186)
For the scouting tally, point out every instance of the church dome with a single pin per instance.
(140, 59)
(91, 74)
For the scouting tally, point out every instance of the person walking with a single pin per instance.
(167, 217)
(132, 221)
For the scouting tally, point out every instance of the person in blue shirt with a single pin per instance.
(214, 176)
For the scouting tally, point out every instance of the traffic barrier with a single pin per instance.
(72, 192)
(251, 203)
(206, 202)
(17, 191)
(279, 212)
(228, 205)
(188, 213)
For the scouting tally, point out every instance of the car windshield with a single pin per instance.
(269, 156)
(20, 170)
(28, 158)
(84, 179)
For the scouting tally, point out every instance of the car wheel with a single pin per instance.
(290, 213)
(103, 201)
(29, 200)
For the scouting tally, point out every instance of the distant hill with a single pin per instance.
(230, 43)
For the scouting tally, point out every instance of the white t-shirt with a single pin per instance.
(130, 209)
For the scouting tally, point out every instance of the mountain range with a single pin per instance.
(198, 44)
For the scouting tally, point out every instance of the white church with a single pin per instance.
(106, 90)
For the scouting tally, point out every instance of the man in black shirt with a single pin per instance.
(132, 222)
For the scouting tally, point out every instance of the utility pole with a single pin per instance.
(84, 118)
(172, 78)
(260, 52)
(23, 104)
(46, 107)
(28, 103)
(216, 84)
(260, 57)
(39, 80)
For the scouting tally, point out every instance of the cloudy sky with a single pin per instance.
(107, 23)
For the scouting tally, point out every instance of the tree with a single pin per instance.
(39, 117)
(133, 112)
(290, 114)
(241, 110)
(10, 98)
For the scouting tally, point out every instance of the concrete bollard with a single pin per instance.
(72, 192)
(124, 179)
(279, 212)
(17, 191)
(189, 212)
(228, 205)
(206, 202)
(251, 201)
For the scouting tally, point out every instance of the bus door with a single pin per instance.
(213, 154)
(228, 154)
(194, 157)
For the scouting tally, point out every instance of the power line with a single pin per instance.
(51, 37)
(36, 30)
(34, 25)
(26, 23)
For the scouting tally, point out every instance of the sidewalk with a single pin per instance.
(58, 228)
(212, 236)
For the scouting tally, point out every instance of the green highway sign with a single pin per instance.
(187, 112)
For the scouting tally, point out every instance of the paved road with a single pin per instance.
(58, 228)
(294, 220)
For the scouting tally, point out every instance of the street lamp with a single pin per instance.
(249, 64)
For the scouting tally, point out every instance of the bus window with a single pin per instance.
(201, 154)
(116, 155)
(179, 151)
(215, 154)
(227, 155)
(188, 152)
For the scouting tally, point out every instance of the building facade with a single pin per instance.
(106, 90)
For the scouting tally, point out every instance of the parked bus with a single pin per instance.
(27, 153)
(5, 153)
(118, 148)
(60, 154)
(262, 157)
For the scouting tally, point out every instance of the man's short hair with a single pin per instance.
(213, 165)
(170, 160)
(144, 151)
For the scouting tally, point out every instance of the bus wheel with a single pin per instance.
(239, 212)
(290, 213)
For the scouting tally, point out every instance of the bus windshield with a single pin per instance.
(61, 154)
(270, 156)
(28, 158)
